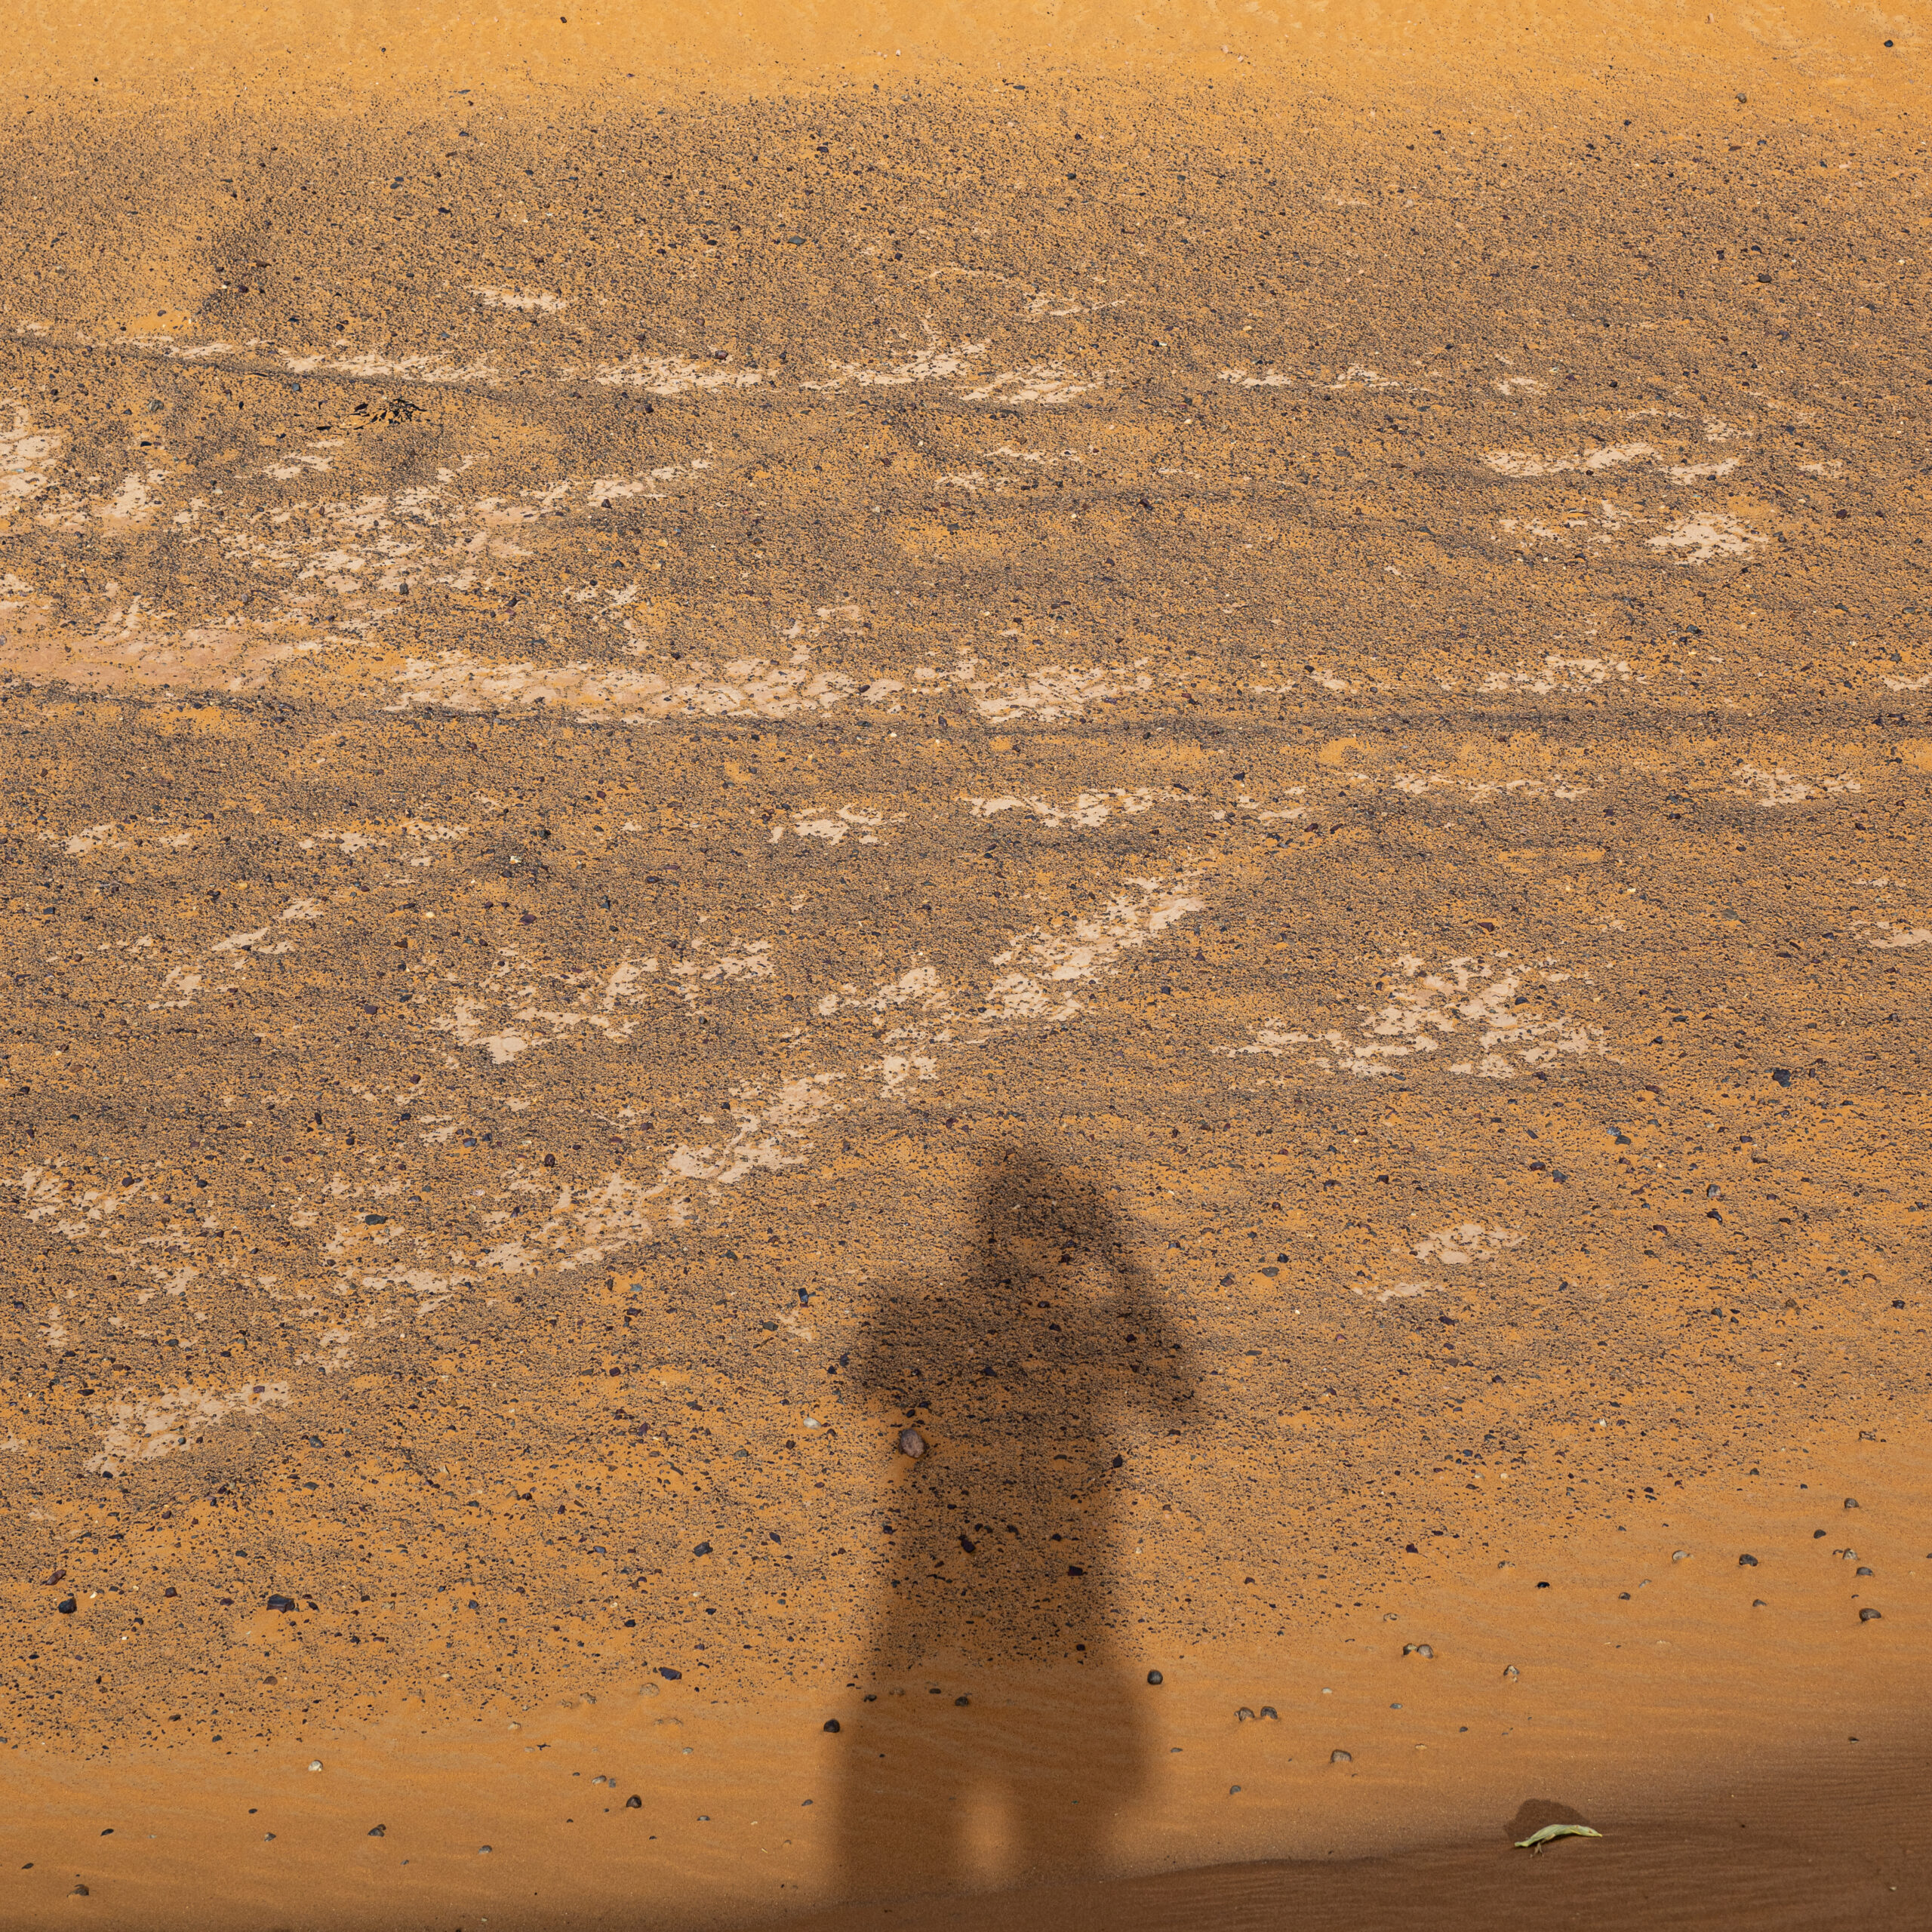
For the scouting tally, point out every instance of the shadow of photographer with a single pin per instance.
(1008, 1714)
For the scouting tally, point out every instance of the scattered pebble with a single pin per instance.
(1244, 1715)
(379, 1831)
(1870, 1616)
(1510, 1671)
(1420, 1650)
(912, 1443)
(1747, 1563)
(282, 1603)
(701, 1549)
(1851, 1502)
(80, 1892)
(315, 1763)
(634, 1803)
(1863, 1570)
(1269, 1711)
(1679, 1555)
(1341, 1757)
(1154, 1676)
(831, 1724)
(1232, 1788)
(66, 1606)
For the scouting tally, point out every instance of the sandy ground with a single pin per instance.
(868, 874)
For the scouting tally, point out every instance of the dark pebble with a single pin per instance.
(633, 1803)
(379, 1832)
(66, 1606)
(1851, 1502)
(958, 1701)
(1869, 1615)
(1747, 1563)
(831, 1724)
(1154, 1676)
(1815, 1534)
(912, 1443)
(1244, 1715)
(80, 1892)
(1863, 1570)
(665, 1670)
(282, 1603)
(700, 1550)
(1269, 1711)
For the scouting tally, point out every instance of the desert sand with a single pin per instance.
(967, 967)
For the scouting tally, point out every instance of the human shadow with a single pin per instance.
(1007, 1712)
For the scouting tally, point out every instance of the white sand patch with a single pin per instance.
(1485, 1003)
(770, 1133)
(1522, 463)
(78, 844)
(1907, 684)
(1267, 378)
(1889, 937)
(220, 968)
(934, 363)
(1058, 691)
(1038, 381)
(671, 375)
(749, 687)
(525, 301)
(28, 457)
(1088, 809)
(438, 366)
(146, 1431)
(1419, 785)
(1708, 534)
(740, 962)
(1514, 386)
(833, 828)
(1784, 788)
(1560, 674)
(1063, 954)
(1359, 376)
(1468, 1240)
(75, 1205)
(135, 501)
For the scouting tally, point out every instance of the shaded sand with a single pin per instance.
(1191, 754)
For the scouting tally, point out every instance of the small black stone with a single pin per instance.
(1869, 1615)
(282, 1603)
(1747, 1563)
(66, 1606)
(1153, 1677)
(665, 1670)
(379, 1831)
(701, 1549)
(633, 1803)
(962, 1700)
(831, 1724)
(1851, 1502)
